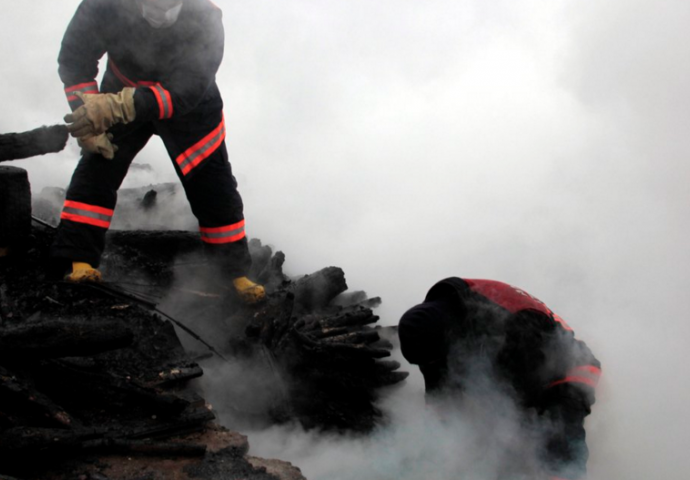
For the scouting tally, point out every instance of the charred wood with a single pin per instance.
(177, 376)
(328, 356)
(80, 387)
(192, 420)
(315, 291)
(63, 338)
(145, 447)
(14, 146)
(5, 312)
(29, 440)
(19, 397)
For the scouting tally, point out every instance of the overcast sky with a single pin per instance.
(543, 143)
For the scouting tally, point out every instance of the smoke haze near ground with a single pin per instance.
(541, 143)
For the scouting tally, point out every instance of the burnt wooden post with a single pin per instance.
(15, 208)
(15, 146)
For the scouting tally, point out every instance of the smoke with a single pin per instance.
(486, 437)
(541, 143)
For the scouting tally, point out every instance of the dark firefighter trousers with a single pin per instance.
(196, 144)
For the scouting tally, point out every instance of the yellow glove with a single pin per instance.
(100, 112)
(98, 144)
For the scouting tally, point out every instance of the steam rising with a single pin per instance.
(540, 143)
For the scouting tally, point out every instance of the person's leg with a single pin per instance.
(91, 199)
(197, 147)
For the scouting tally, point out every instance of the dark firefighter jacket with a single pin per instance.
(173, 69)
(465, 325)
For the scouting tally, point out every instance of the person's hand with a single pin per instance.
(100, 144)
(100, 112)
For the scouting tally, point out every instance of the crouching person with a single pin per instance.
(469, 328)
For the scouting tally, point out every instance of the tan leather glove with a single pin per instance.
(100, 112)
(98, 144)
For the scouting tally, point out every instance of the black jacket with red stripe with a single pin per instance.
(173, 69)
(468, 331)
(528, 345)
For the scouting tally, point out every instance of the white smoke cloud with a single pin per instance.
(541, 143)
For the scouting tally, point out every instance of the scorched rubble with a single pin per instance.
(91, 377)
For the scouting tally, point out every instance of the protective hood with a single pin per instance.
(160, 14)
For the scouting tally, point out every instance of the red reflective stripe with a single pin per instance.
(586, 374)
(169, 99)
(119, 74)
(199, 145)
(205, 155)
(227, 228)
(131, 83)
(90, 208)
(559, 320)
(82, 86)
(588, 368)
(207, 231)
(86, 88)
(161, 101)
(80, 219)
(161, 105)
(232, 239)
(584, 380)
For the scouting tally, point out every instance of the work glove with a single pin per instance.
(100, 144)
(100, 112)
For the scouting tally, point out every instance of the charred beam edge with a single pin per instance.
(42, 140)
(177, 375)
(190, 423)
(16, 390)
(164, 402)
(62, 338)
(4, 304)
(145, 447)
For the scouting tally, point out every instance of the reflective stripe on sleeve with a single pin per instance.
(585, 374)
(89, 87)
(203, 149)
(227, 234)
(85, 213)
(165, 104)
(163, 97)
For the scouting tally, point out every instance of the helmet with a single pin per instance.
(160, 13)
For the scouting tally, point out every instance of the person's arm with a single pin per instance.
(191, 77)
(566, 401)
(81, 49)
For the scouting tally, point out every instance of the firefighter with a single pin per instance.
(468, 333)
(163, 56)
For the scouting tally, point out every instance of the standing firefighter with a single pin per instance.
(472, 333)
(163, 56)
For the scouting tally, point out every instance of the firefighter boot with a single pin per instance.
(83, 273)
(248, 291)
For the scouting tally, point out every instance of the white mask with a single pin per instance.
(159, 17)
